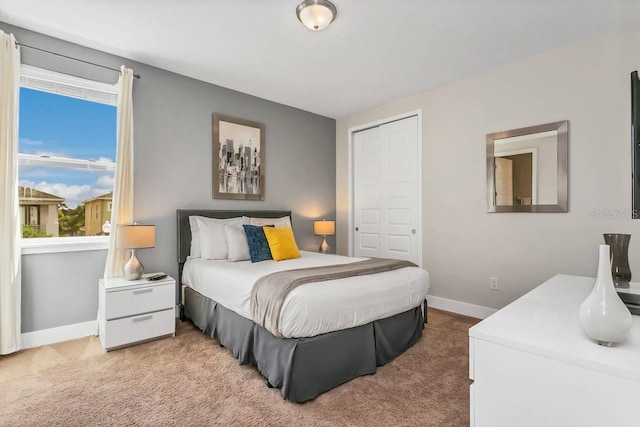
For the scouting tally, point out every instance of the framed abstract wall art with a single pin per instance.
(238, 159)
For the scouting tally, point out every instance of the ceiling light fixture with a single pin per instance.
(316, 15)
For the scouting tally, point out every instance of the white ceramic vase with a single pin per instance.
(604, 317)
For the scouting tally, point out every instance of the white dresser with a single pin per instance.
(532, 365)
(133, 311)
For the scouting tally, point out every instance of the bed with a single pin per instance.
(323, 340)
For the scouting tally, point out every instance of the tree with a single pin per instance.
(71, 221)
(31, 231)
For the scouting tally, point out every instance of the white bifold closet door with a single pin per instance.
(385, 191)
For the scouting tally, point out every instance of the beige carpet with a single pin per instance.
(189, 380)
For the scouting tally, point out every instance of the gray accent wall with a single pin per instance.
(173, 160)
(60, 289)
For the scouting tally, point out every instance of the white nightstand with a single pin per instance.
(131, 311)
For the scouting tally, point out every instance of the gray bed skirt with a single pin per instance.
(302, 368)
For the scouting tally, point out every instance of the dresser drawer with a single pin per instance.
(137, 328)
(137, 301)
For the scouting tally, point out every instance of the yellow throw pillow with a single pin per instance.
(282, 243)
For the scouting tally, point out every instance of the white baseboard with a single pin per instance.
(81, 330)
(466, 309)
(62, 333)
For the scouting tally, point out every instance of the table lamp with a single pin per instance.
(324, 228)
(135, 237)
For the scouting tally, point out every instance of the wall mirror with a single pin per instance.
(635, 141)
(527, 169)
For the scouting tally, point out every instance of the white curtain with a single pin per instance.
(10, 234)
(122, 204)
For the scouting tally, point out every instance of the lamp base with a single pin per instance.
(324, 247)
(133, 269)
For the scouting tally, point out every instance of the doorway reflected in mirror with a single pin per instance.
(527, 169)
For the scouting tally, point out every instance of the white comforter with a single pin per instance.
(315, 308)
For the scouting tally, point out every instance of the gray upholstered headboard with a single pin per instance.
(184, 231)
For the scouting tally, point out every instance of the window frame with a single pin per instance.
(65, 85)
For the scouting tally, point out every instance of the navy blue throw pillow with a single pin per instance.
(258, 245)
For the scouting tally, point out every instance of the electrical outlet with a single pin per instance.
(493, 284)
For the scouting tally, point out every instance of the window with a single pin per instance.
(66, 154)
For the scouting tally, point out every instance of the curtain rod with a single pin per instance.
(137, 76)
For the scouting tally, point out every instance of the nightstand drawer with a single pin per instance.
(137, 328)
(141, 300)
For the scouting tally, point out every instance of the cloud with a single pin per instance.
(105, 181)
(33, 146)
(73, 195)
(30, 142)
(48, 153)
(105, 160)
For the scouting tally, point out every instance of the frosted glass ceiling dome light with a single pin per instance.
(316, 15)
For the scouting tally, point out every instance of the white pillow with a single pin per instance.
(213, 244)
(283, 222)
(195, 238)
(237, 244)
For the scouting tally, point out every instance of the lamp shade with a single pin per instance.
(136, 236)
(316, 15)
(324, 228)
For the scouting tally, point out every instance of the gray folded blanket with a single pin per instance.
(270, 291)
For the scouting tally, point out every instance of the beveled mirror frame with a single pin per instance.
(562, 128)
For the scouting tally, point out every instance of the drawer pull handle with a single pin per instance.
(142, 318)
(143, 291)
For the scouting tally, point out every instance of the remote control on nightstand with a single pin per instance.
(157, 276)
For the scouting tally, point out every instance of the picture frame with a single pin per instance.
(238, 166)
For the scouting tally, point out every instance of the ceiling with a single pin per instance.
(376, 51)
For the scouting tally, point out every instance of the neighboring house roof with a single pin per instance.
(29, 194)
(106, 196)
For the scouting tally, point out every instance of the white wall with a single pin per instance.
(587, 84)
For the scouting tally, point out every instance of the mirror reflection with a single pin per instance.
(526, 169)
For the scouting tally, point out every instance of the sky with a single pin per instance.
(61, 126)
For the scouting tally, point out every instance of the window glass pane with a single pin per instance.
(61, 126)
(54, 197)
(75, 186)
